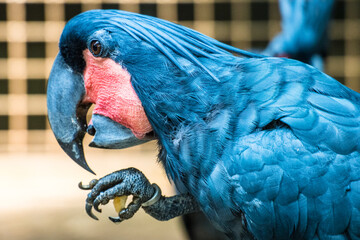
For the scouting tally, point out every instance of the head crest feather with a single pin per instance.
(167, 37)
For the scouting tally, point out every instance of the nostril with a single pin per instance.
(91, 130)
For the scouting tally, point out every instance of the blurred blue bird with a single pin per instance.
(304, 34)
(267, 148)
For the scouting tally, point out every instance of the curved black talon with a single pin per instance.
(115, 219)
(88, 208)
(90, 186)
(96, 207)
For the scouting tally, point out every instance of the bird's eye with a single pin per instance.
(96, 47)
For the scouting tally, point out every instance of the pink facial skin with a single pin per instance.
(108, 86)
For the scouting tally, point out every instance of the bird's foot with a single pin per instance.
(115, 186)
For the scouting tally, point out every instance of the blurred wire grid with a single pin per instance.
(29, 33)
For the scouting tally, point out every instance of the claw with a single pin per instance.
(115, 219)
(90, 186)
(88, 208)
(96, 207)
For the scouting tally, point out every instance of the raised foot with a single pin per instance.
(124, 182)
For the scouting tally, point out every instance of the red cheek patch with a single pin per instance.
(108, 86)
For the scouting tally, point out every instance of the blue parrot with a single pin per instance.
(265, 147)
(304, 34)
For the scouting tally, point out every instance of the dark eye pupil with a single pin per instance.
(96, 47)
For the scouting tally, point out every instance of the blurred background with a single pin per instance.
(38, 182)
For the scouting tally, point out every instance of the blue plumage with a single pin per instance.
(304, 31)
(271, 146)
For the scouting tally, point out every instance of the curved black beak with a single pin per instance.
(66, 113)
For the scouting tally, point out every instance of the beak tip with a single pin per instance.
(91, 171)
(75, 151)
(82, 163)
